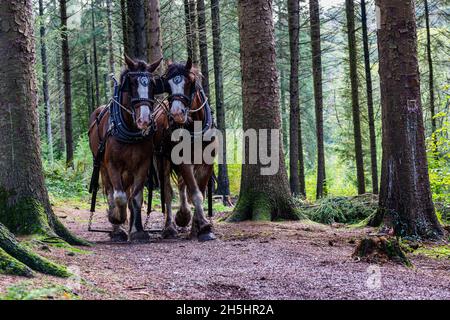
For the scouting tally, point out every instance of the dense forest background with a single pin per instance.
(92, 62)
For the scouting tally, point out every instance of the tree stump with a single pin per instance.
(380, 250)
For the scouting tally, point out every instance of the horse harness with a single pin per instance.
(118, 129)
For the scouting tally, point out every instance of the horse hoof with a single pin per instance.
(139, 236)
(182, 218)
(206, 237)
(170, 233)
(119, 236)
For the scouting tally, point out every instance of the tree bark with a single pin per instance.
(262, 197)
(112, 67)
(430, 75)
(89, 90)
(191, 30)
(137, 30)
(294, 29)
(154, 33)
(203, 44)
(24, 204)
(406, 203)
(94, 46)
(316, 50)
(223, 179)
(369, 92)
(65, 52)
(359, 157)
(62, 120)
(47, 108)
(124, 19)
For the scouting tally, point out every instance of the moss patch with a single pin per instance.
(263, 207)
(25, 291)
(12, 266)
(381, 250)
(27, 216)
(438, 252)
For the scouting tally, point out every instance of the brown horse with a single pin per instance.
(123, 133)
(187, 104)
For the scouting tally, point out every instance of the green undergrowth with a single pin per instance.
(355, 211)
(25, 291)
(438, 252)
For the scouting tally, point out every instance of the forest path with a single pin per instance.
(288, 260)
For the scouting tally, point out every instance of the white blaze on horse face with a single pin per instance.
(144, 117)
(143, 87)
(144, 111)
(177, 87)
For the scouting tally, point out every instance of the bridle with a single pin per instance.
(208, 121)
(144, 77)
(181, 97)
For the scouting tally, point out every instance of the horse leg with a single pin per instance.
(170, 231)
(135, 201)
(117, 201)
(184, 214)
(137, 232)
(201, 228)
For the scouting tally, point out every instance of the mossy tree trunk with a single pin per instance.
(405, 196)
(262, 197)
(24, 204)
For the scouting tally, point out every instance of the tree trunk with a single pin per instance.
(350, 11)
(188, 28)
(203, 44)
(316, 50)
(285, 114)
(154, 36)
(191, 30)
(62, 118)
(137, 30)
(48, 119)
(112, 67)
(430, 75)
(223, 180)
(94, 45)
(89, 90)
(125, 32)
(294, 29)
(67, 82)
(370, 112)
(406, 203)
(262, 197)
(24, 205)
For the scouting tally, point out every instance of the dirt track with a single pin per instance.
(291, 260)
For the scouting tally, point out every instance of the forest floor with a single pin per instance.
(282, 260)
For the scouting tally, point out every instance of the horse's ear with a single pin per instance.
(189, 64)
(130, 63)
(154, 65)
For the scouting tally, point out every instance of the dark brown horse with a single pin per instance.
(188, 104)
(123, 132)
